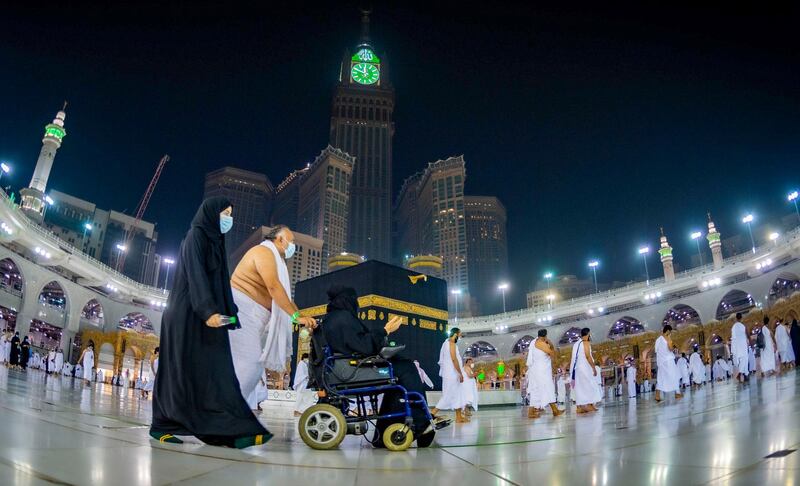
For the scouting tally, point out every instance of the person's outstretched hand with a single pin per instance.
(309, 322)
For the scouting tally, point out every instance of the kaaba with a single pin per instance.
(385, 291)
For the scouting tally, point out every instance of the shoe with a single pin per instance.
(253, 440)
(164, 437)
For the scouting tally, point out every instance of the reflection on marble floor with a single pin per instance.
(55, 431)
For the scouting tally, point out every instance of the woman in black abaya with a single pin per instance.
(196, 391)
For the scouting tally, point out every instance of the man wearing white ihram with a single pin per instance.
(668, 376)
(697, 367)
(541, 388)
(767, 348)
(739, 348)
(630, 376)
(785, 350)
(584, 374)
(451, 371)
(262, 292)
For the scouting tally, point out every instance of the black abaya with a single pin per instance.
(196, 391)
(345, 333)
(794, 334)
(14, 357)
(24, 353)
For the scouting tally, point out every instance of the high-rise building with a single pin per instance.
(97, 232)
(406, 220)
(33, 197)
(487, 250)
(251, 195)
(362, 125)
(287, 199)
(324, 198)
(307, 261)
(430, 221)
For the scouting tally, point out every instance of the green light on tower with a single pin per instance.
(365, 55)
(54, 131)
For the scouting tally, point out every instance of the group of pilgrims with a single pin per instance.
(674, 371)
(18, 354)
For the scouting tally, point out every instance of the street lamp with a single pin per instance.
(5, 169)
(547, 277)
(457, 294)
(792, 197)
(696, 237)
(593, 265)
(748, 220)
(502, 288)
(86, 227)
(120, 248)
(168, 262)
(644, 251)
(774, 238)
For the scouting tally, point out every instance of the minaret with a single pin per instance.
(33, 195)
(666, 258)
(365, 26)
(715, 243)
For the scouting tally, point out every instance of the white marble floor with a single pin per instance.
(54, 431)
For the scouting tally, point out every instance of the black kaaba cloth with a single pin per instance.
(386, 291)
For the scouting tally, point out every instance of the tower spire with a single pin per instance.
(365, 25)
(666, 258)
(33, 198)
(715, 243)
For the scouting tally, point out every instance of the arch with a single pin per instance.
(625, 326)
(481, 350)
(11, 279)
(106, 357)
(93, 312)
(734, 301)
(785, 285)
(571, 335)
(522, 345)
(53, 295)
(680, 316)
(136, 321)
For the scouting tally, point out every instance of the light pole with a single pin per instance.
(86, 227)
(168, 262)
(547, 277)
(503, 287)
(793, 198)
(749, 220)
(120, 248)
(457, 294)
(696, 237)
(773, 237)
(48, 201)
(550, 299)
(593, 265)
(4, 169)
(644, 251)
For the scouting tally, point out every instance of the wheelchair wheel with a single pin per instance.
(398, 437)
(322, 427)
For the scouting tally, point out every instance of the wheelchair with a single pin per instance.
(349, 387)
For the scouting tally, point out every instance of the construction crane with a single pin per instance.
(131, 231)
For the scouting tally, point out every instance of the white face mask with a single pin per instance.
(225, 223)
(289, 252)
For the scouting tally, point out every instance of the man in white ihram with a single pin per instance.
(739, 349)
(630, 376)
(262, 292)
(697, 367)
(304, 398)
(451, 371)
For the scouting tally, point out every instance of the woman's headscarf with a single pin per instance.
(342, 298)
(207, 216)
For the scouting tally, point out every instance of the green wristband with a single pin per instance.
(295, 316)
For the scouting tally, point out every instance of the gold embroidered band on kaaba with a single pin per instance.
(387, 303)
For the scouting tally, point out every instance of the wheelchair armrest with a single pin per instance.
(388, 352)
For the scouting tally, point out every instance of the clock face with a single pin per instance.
(365, 73)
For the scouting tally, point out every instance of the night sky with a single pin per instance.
(593, 126)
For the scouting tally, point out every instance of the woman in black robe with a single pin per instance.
(794, 334)
(196, 391)
(346, 333)
(14, 357)
(24, 353)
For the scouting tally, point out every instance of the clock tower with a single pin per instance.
(362, 125)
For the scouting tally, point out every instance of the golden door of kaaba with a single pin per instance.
(385, 291)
